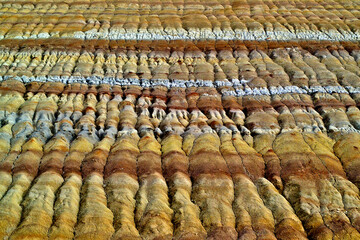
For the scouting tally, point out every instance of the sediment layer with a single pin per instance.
(169, 20)
(186, 162)
(179, 120)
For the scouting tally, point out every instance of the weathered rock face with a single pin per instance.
(179, 120)
(245, 20)
(274, 166)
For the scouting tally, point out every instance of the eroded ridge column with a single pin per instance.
(307, 169)
(95, 219)
(213, 188)
(343, 125)
(153, 213)
(341, 148)
(67, 204)
(307, 71)
(26, 165)
(253, 219)
(273, 213)
(175, 165)
(22, 129)
(38, 203)
(18, 134)
(121, 183)
(260, 217)
(12, 98)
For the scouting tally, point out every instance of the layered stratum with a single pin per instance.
(184, 120)
(180, 19)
